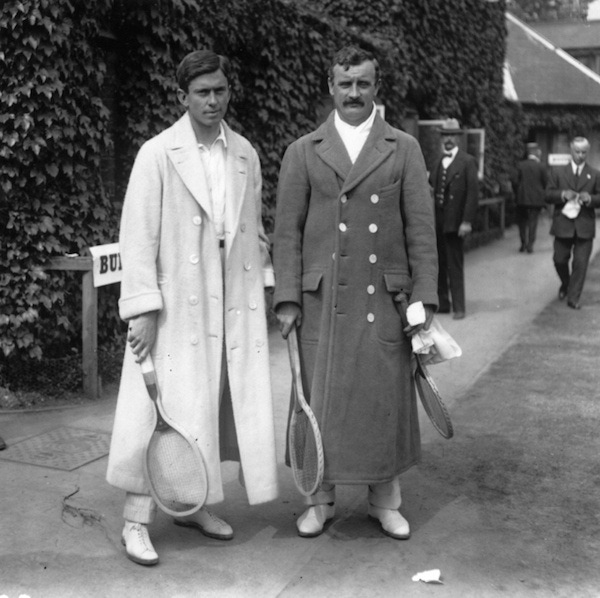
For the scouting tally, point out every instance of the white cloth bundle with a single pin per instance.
(434, 345)
(571, 209)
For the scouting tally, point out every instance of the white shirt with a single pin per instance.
(354, 137)
(213, 160)
(577, 168)
(447, 160)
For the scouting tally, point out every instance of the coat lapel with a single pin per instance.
(331, 149)
(184, 153)
(378, 147)
(453, 168)
(236, 171)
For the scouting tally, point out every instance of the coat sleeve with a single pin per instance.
(293, 194)
(263, 240)
(139, 236)
(472, 199)
(419, 226)
(553, 190)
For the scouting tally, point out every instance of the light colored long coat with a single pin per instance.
(348, 239)
(172, 263)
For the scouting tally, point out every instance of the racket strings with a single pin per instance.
(175, 472)
(304, 453)
(433, 406)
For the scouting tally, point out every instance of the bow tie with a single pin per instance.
(447, 154)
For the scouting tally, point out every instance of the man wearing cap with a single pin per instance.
(529, 184)
(574, 189)
(354, 230)
(455, 189)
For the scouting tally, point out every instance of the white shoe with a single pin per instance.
(392, 523)
(208, 523)
(312, 522)
(137, 544)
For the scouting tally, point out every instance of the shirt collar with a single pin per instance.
(364, 126)
(575, 167)
(220, 137)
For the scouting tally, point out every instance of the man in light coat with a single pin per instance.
(195, 264)
(456, 193)
(574, 190)
(354, 230)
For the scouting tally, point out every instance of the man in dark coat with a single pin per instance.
(574, 189)
(456, 193)
(354, 230)
(529, 184)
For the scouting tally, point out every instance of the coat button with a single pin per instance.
(243, 228)
(333, 256)
(370, 317)
(373, 258)
(374, 198)
(371, 289)
(193, 300)
(194, 259)
(252, 305)
(343, 227)
(247, 266)
(194, 339)
(344, 199)
(373, 228)
(197, 220)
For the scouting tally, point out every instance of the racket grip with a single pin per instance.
(147, 365)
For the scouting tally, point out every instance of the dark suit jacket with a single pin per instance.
(562, 179)
(461, 192)
(530, 183)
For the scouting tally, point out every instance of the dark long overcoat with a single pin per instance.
(348, 239)
(529, 183)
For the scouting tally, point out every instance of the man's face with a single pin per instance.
(354, 91)
(579, 150)
(448, 142)
(206, 99)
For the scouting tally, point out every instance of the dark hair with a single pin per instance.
(200, 62)
(353, 56)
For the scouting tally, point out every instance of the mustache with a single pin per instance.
(354, 103)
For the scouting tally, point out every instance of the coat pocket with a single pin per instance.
(389, 322)
(312, 305)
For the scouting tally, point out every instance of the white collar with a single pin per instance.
(220, 137)
(363, 127)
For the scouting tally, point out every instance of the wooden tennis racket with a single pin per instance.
(173, 464)
(305, 445)
(426, 387)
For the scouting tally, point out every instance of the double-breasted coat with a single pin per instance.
(172, 264)
(348, 239)
(562, 178)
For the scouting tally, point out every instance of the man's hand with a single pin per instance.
(429, 313)
(141, 334)
(569, 195)
(287, 313)
(464, 229)
(585, 199)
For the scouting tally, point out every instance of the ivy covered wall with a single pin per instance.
(440, 58)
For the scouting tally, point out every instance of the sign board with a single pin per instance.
(106, 264)
(558, 159)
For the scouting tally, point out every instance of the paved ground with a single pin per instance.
(508, 507)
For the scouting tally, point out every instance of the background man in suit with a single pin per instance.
(354, 228)
(529, 184)
(574, 189)
(456, 193)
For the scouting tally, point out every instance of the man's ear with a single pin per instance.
(330, 85)
(182, 97)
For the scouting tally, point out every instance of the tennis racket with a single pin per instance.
(426, 387)
(173, 464)
(304, 438)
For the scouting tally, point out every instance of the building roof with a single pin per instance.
(580, 35)
(543, 74)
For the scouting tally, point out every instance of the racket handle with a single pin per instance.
(147, 365)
